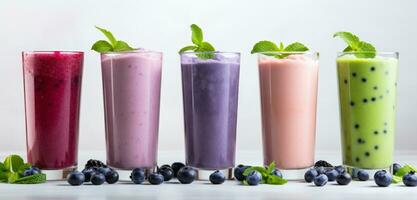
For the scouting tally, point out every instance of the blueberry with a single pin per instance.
(97, 178)
(104, 170)
(320, 170)
(383, 178)
(310, 175)
(343, 178)
(276, 172)
(75, 178)
(36, 170)
(112, 177)
(320, 180)
(340, 169)
(363, 175)
(395, 167)
(166, 171)
(410, 179)
(155, 178)
(253, 178)
(137, 176)
(87, 173)
(186, 175)
(30, 171)
(238, 172)
(176, 166)
(217, 177)
(332, 174)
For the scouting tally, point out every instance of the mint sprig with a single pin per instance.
(271, 49)
(363, 49)
(11, 171)
(199, 45)
(267, 176)
(398, 176)
(112, 45)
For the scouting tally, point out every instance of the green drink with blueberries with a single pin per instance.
(367, 94)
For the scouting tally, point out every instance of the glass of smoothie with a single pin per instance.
(288, 89)
(210, 96)
(367, 94)
(131, 90)
(52, 89)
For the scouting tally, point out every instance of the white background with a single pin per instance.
(231, 26)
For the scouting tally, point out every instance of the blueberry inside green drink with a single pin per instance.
(367, 94)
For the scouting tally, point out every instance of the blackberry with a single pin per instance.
(94, 163)
(322, 163)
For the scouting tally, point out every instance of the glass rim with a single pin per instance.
(209, 52)
(51, 52)
(339, 53)
(134, 51)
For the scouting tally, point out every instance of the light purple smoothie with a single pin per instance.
(131, 87)
(210, 94)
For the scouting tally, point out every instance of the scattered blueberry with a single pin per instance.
(176, 166)
(396, 167)
(87, 173)
(75, 178)
(137, 176)
(31, 171)
(112, 177)
(363, 175)
(383, 178)
(97, 178)
(155, 178)
(166, 171)
(320, 170)
(186, 175)
(276, 172)
(104, 170)
(310, 175)
(322, 163)
(410, 179)
(253, 178)
(320, 180)
(343, 178)
(238, 172)
(331, 174)
(217, 177)
(340, 169)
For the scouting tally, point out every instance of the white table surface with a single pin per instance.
(204, 190)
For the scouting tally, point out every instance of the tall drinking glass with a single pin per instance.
(210, 94)
(288, 85)
(131, 89)
(52, 87)
(367, 94)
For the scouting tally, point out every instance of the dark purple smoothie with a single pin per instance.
(210, 94)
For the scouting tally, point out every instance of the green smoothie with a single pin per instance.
(367, 92)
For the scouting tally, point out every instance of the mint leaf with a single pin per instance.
(13, 162)
(265, 46)
(102, 46)
(405, 170)
(23, 167)
(122, 46)
(196, 34)
(275, 180)
(109, 35)
(363, 49)
(351, 39)
(271, 167)
(296, 46)
(396, 179)
(2, 167)
(34, 179)
(206, 49)
(188, 48)
(12, 177)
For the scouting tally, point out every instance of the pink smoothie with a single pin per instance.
(288, 102)
(131, 87)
